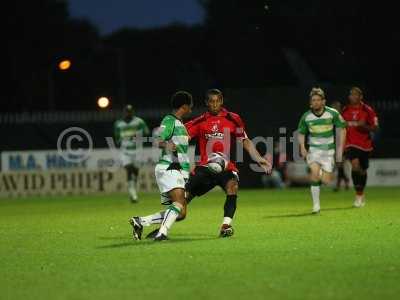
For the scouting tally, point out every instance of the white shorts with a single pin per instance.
(168, 180)
(325, 160)
(129, 159)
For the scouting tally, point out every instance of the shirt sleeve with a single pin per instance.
(167, 128)
(372, 119)
(240, 132)
(117, 135)
(193, 128)
(338, 120)
(302, 128)
(145, 128)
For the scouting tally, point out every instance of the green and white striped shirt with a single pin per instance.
(172, 129)
(321, 129)
(126, 132)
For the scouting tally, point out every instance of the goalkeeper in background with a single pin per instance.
(128, 132)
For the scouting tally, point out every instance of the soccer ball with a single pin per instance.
(217, 162)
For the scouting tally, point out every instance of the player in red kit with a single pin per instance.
(218, 130)
(361, 121)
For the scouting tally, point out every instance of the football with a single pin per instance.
(217, 162)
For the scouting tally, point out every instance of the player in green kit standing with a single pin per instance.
(319, 123)
(128, 132)
(172, 170)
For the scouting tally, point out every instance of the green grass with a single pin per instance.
(80, 248)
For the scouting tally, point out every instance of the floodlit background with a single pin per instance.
(70, 67)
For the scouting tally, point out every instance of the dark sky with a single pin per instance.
(110, 15)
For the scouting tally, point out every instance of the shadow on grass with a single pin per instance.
(149, 242)
(122, 237)
(307, 214)
(338, 208)
(290, 216)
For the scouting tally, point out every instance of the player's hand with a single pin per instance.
(170, 146)
(352, 123)
(361, 123)
(265, 164)
(303, 152)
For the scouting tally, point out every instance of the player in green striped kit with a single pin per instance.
(319, 123)
(127, 133)
(172, 170)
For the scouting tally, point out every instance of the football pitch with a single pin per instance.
(81, 248)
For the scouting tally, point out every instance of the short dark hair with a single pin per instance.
(357, 90)
(181, 98)
(213, 92)
(128, 108)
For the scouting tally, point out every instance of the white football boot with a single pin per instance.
(316, 209)
(359, 201)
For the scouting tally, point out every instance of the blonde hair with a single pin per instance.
(317, 92)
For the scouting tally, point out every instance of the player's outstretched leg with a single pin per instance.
(151, 235)
(177, 196)
(139, 222)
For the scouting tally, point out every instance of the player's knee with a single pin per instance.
(358, 171)
(182, 216)
(355, 165)
(232, 187)
(315, 176)
(326, 179)
(178, 198)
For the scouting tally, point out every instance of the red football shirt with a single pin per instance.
(217, 133)
(359, 137)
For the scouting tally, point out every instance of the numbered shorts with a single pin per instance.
(325, 160)
(168, 180)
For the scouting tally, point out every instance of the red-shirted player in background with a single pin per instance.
(361, 121)
(218, 130)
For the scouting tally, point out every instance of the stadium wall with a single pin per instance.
(49, 173)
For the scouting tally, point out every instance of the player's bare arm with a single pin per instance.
(341, 132)
(301, 139)
(255, 155)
